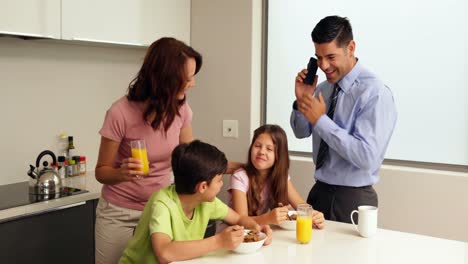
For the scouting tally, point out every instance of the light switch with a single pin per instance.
(230, 128)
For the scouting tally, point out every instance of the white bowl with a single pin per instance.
(249, 247)
(289, 224)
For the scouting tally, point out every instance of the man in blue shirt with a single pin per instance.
(351, 117)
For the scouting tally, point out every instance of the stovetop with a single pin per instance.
(17, 194)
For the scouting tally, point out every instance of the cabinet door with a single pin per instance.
(60, 236)
(38, 18)
(130, 22)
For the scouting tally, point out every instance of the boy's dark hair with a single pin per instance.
(196, 162)
(331, 28)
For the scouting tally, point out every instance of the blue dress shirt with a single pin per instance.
(358, 136)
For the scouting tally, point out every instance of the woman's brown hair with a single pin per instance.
(278, 175)
(161, 77)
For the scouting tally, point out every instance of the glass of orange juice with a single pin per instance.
(304, 223)
(139, 152)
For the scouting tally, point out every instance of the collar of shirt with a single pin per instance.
(347, 81)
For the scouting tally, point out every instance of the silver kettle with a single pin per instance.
(46, 180)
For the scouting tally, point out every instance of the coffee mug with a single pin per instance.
(367, 220)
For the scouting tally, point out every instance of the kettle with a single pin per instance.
(46, 180)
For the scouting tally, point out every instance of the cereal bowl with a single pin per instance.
(289, 224)
(250, 247)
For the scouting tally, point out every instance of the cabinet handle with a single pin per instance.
(41, 212)
(26, 34)
(68, 206)
(109, 42)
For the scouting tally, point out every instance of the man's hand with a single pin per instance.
(301, 87)
(311, 107)
(318, 219)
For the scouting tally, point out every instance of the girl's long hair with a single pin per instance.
(277, 180)
(161, 77)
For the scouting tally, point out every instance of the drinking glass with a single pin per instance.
(304, 223)
(139, 152)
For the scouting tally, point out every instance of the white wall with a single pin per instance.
(228, 85)
(49, 87)
(430, 202)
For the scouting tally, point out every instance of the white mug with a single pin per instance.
(367, 220)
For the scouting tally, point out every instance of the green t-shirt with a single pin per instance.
(163, 213)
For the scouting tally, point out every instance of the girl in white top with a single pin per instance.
(262, 188)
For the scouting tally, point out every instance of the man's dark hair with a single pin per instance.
(196, 162)
(331, 28)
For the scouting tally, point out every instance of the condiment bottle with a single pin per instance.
(76, 168)
(61, 166)
(82, 165)
(69, 169)
(71, 148)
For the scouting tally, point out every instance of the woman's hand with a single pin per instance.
(318, 219)
(107, 173)
(130, 169)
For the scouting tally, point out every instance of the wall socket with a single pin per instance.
(230, 128)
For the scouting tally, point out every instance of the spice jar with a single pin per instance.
(68, 168)
(82, 165)
(73, 168)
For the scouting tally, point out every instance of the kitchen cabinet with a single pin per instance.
(127, 22)
(38, 18)
(60, 235)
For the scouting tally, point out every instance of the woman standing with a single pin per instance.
(155, 109)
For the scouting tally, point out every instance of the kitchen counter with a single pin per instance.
(85, 182)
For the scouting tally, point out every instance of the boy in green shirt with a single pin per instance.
(174, 220)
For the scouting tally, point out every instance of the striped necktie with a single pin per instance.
(323, 149)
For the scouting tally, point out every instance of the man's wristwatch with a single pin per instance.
(295, 105)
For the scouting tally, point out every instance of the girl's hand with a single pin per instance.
(267, 230)
(278, 215)
(130, 169)
(318, 219)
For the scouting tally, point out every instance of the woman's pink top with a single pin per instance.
(124, 123)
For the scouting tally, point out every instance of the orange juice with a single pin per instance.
(141, 154)
(303, 229)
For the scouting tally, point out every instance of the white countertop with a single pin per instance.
(340, 243)
(85, 182)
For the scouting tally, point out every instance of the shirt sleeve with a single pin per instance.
(220, 210)
(114, 124)
(160, 221)
(300, 125)
(239, 181)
